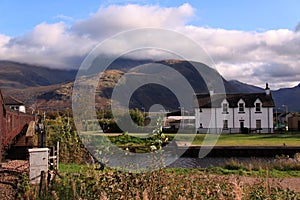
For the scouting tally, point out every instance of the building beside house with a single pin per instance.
(175, 120)
(14, 104)
(234, 113)
(294, 122)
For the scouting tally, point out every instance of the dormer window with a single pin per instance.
(257, 107)
(241, 108)
(225, 108)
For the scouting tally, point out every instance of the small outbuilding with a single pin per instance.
(14, 104)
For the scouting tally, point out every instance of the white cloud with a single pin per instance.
(252, 57)
(114, 19)
(240, 55)
(48, 44)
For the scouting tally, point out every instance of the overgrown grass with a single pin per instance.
(88, 183)
(280, 167)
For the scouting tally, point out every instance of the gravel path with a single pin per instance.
(9, 175)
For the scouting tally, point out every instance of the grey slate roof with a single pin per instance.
(8, 100)
(207, 101)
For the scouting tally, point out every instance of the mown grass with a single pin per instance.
(243, 139)
(223, 140)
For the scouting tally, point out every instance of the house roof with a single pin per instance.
(9, 100)
(215, 100)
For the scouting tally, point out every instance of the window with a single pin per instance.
(225, 124)
(258, 124)
(225, 108)
(257, 107)
(241, 107)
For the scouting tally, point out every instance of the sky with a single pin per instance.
(250, 40)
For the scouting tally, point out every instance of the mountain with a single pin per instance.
(289, 97)
(51, 89)
(285, 96)
(16, 75)
(245, 88)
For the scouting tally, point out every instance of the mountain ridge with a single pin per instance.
(49, 88)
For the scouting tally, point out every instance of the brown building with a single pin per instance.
(294, 122)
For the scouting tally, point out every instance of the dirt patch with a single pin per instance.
(10, 174)
(292, 184)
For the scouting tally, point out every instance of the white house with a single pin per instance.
(14, 104)
(234, 113)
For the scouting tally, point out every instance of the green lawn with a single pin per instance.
(222, 140)
(243, 139)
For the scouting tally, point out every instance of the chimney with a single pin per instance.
(268, 91)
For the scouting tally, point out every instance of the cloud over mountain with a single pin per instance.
(252, 57)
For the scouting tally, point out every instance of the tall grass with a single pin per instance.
(161, 184)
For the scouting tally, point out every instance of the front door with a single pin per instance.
(242, 125)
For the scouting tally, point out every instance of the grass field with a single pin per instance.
(229, 140)
(243, 139)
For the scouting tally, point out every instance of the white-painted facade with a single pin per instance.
(236, 113)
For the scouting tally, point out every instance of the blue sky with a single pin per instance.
(251, 15)
(251, 41)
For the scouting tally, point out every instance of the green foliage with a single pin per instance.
(157, 138)
(23, 186)
(62, 130)
(108, 123)
(137, 116)
(153, 142)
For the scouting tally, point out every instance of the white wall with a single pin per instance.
(22, 109)
(213, 118)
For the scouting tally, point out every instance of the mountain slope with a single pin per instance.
(289, 97)
(285, 96)
(245, 88)
(45, 88)
(19, 75)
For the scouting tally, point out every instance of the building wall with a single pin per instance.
(22, 109)
(294, 123)
(213, 118)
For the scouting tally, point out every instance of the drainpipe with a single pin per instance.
(215, 119)
(268, 120)
(250, 124)
(233, 118)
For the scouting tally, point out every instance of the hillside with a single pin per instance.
(19, 75)
(45, 88)
(284, 96)
(245, 88)
(289, 97)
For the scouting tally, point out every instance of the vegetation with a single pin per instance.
(245, 139)
(108, 123)
(62, 130)
(88, 183)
